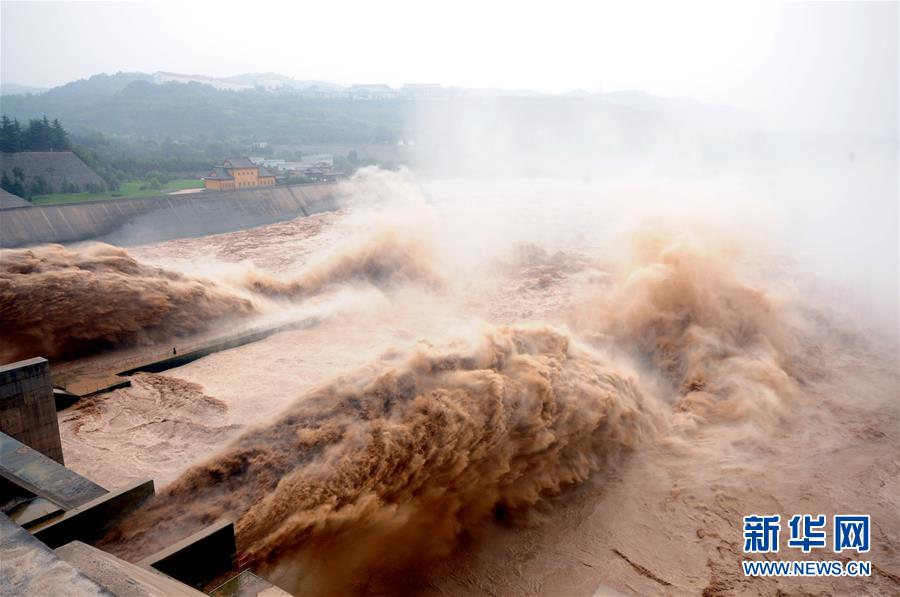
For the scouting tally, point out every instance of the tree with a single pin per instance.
(160, 177)
(59, 138)
(39, 186)
(16, 134)
(13, 138)
(69, 187)
(37, 135)
(14, 184)
(46, 134)
(6, 183)
(112, 181)
(106, 171)
(10, 134)
(94, 188)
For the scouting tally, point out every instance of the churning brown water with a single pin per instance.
(483, 416)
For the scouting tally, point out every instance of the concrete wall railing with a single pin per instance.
(158, 218)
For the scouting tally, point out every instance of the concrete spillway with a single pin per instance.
(46, 506)
(151, 219)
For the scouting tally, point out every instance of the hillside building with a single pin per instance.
(373, 92)
(238, 173)
(317, 167)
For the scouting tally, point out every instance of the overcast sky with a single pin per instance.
(810, 66)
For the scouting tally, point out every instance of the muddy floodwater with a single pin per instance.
(509, 390)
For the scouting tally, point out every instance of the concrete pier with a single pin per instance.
(35, 473)
(27, 406)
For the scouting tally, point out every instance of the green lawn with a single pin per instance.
(127, 189)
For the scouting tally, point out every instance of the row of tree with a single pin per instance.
(39, 135)
(17, 184)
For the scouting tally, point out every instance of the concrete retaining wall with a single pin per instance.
(151, 219)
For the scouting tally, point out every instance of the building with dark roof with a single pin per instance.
(238, 173)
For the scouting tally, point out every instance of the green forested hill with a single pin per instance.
(133, 126)
(128, 104)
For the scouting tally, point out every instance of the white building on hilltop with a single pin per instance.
(374, 91)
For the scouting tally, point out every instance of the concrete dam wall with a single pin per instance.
(151, 219)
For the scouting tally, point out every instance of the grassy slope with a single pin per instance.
(127, 189)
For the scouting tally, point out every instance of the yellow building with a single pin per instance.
(238, 173)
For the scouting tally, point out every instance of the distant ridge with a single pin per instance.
(278, 109)
(16, 89)
(102, 84)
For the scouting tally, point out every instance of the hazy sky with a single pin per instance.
(823, 66)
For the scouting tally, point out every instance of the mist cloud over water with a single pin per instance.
(723, 348)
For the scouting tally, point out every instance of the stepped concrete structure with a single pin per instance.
(120, 577)
(9, 200)
(31, 568)
(46, 506)
(55, 167)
